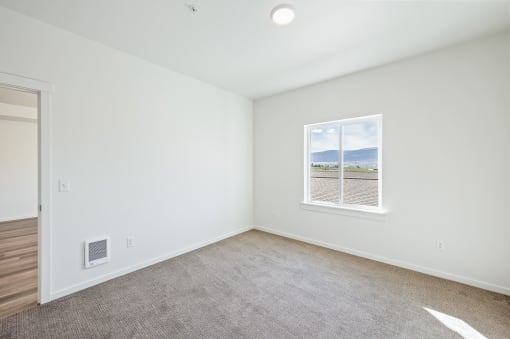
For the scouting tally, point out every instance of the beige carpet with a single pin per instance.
(258, 285)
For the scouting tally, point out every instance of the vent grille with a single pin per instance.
(97, 251)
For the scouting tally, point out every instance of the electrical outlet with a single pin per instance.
(440, 245)
(130, 242)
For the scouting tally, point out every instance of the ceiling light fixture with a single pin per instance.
(283, 14)
(193, 9)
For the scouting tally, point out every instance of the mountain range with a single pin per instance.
(364, 157)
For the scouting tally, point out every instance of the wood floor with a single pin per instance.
(18, 265)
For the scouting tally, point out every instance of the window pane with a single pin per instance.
(324, 150)
(361, 163)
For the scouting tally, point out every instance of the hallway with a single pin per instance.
(18, 265)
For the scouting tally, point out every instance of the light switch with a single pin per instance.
(64, 185)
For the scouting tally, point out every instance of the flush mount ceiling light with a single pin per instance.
(282, 14)
(192, 8)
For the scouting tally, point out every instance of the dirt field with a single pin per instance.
(360, 188)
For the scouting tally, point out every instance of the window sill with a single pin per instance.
(375, 213)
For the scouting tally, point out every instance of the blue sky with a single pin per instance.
(359, 135)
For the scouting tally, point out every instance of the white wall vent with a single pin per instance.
(97, 251)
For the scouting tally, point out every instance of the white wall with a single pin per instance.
(149, 153)
(18, 163)
(446, 162)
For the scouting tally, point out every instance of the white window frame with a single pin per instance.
(307, 172)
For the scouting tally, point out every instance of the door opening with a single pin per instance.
(19, 199)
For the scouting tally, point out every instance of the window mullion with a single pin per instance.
(340, 165)
(309, 164)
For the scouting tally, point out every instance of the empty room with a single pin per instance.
(254, 169)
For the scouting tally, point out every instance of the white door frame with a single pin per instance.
(44, 90)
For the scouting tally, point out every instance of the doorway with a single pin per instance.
(19, 199)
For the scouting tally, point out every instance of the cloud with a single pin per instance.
(327, 139)
(355, 136)
(360, 135)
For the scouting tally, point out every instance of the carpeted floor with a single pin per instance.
(257, 285)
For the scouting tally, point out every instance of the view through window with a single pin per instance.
(344, 162)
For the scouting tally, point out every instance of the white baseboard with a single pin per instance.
(89, 283)
(17, 217)
(430, 271)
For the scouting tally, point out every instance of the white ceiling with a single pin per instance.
(234, 45)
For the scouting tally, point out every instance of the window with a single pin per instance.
(343, 163)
